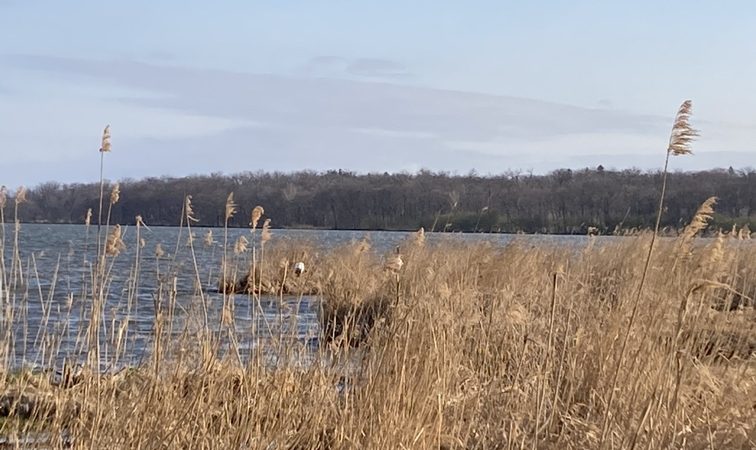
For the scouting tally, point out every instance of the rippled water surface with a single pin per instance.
(49, 310)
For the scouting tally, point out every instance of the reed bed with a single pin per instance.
(635, 341)
(461, 346)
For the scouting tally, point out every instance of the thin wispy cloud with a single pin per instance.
(183, 119)
(375, 69)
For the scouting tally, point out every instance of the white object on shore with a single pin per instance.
(299, 268)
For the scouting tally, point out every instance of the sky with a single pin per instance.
(195, 87)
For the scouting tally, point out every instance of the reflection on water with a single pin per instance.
(46, 319)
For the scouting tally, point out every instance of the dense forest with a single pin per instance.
(564, 201)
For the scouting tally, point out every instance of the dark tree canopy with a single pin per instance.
(564, 201)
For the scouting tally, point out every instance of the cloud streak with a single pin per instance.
(243, 121)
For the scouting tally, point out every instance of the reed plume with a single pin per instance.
(209, 241)
(3, 196)
(419, 239)
(395, 263)
(241, 245)
(257, 213)
(681, 137)
(231, 207)
(21, 195)
(682, 133)
(265, 235)
(115, 194)
(700, 220)
(114, 245)
(189, 211)
(88, 217)
(159, 252)
(105, 143)
(105, 147)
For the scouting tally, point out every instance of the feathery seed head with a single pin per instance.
(241, 245)
(394, 264)
(701, 219)
(188, 210)
(105, 145)
(230, 207)
(3, 196)
(159, 252)
(115, 194)
(88, 218)
(265, 235)
(209, 241)
(420, 237)
(682, 133)
(114, 244)
(21, 195)
(257, 213)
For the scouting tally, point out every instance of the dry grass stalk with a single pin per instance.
(3, 196)
(680, 139)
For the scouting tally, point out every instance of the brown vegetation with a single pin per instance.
(629, 342)
(466, 347)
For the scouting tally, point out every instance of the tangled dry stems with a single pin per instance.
(470, 346)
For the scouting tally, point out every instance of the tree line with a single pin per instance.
(563, 201)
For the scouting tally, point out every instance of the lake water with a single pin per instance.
(51, 308)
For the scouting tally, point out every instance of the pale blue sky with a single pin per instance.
(196, 86)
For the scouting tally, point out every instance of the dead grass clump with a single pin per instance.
(470, 346)
(355, 294)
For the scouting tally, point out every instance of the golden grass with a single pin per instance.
(628, 342)
(463, 346)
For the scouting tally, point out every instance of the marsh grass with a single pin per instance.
(487, 347)
(634, 341)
